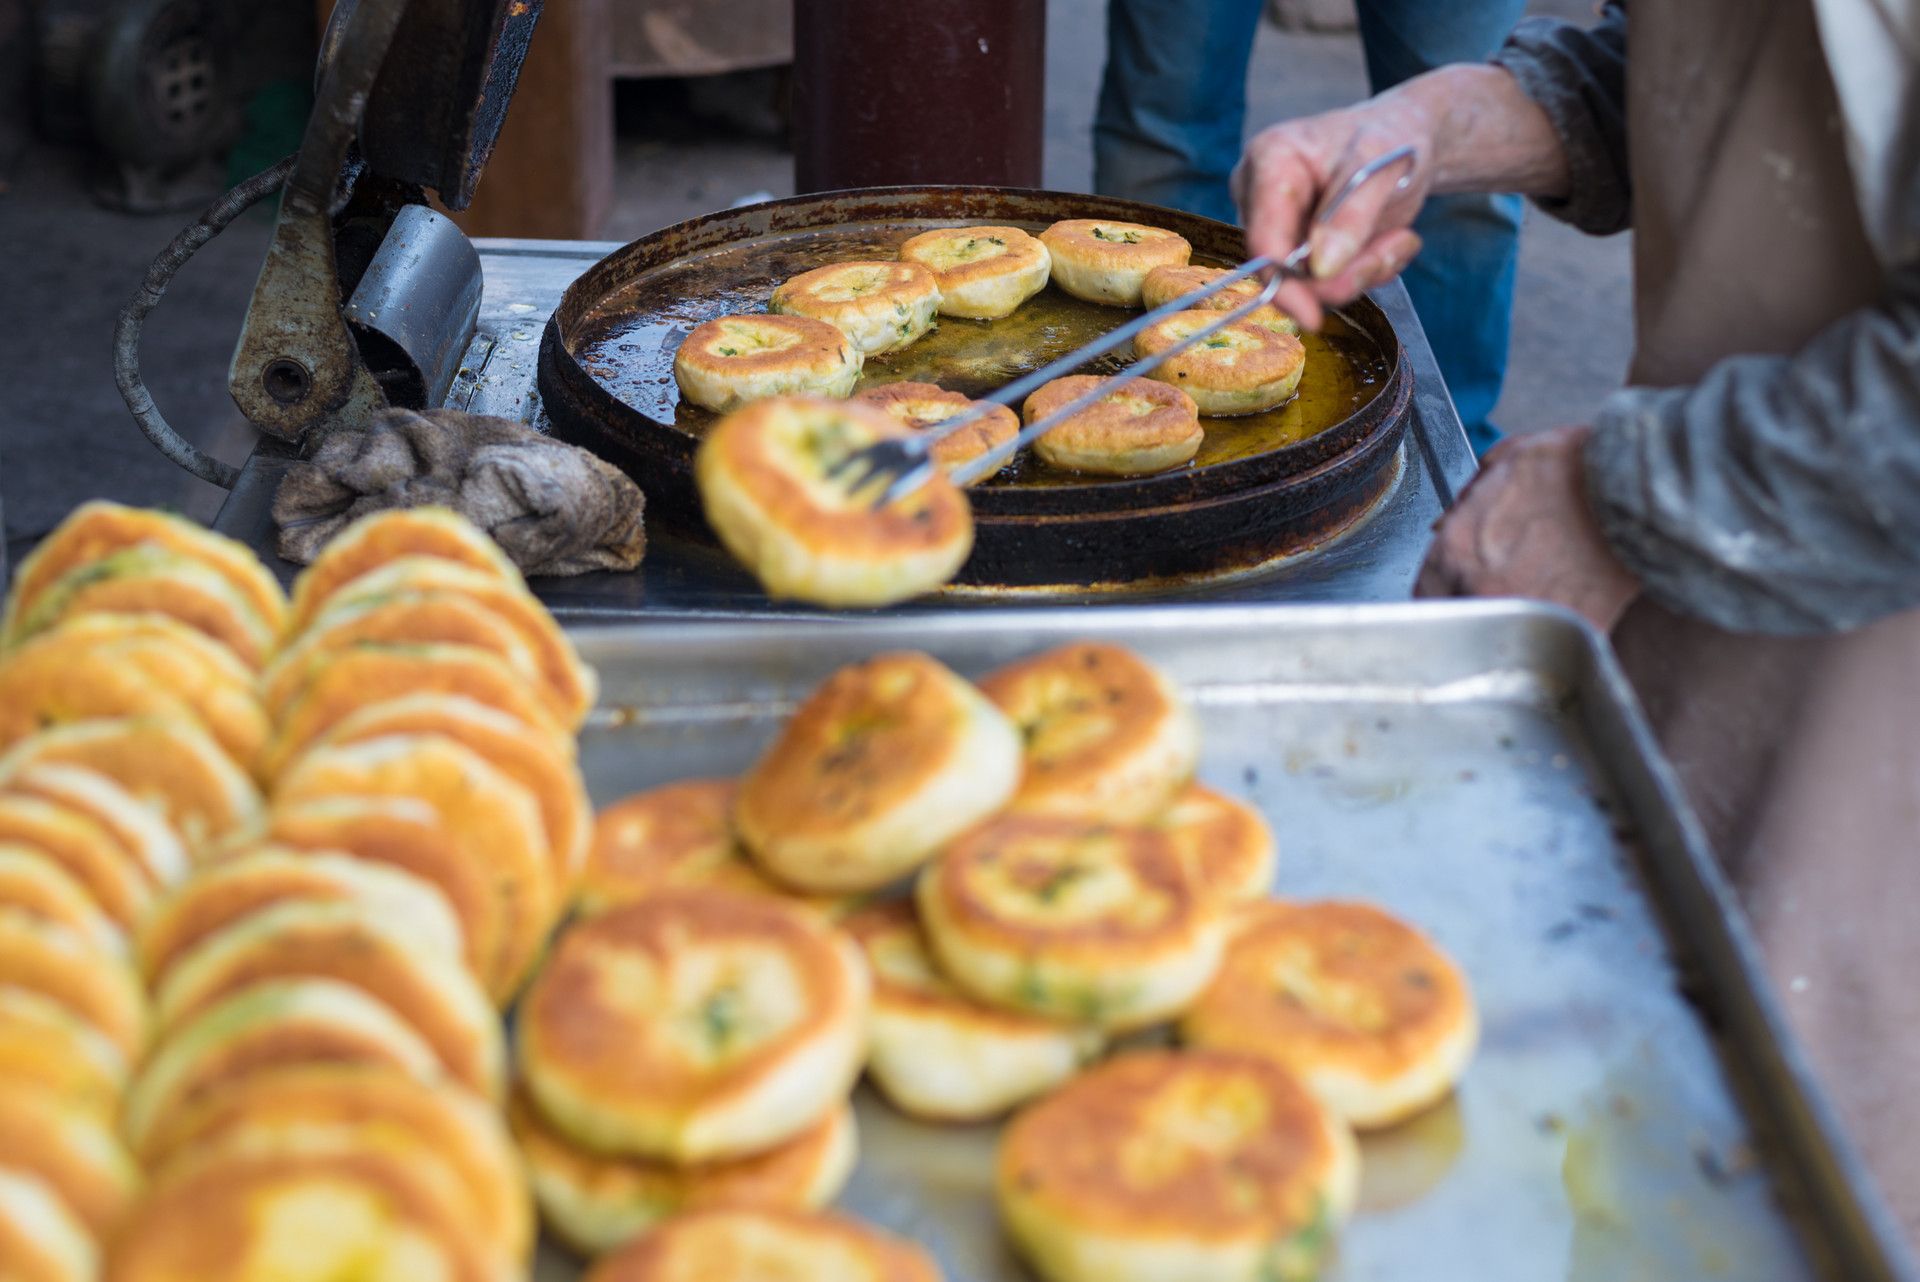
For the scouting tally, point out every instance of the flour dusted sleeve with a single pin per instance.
(1578, 75)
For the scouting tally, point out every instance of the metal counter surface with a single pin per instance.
(1376, 560)
(1637, 1108)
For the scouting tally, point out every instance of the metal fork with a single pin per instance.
(901, 465)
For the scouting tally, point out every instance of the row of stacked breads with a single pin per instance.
(783, 378)
(270, 870)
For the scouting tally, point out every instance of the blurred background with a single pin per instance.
(121, 119)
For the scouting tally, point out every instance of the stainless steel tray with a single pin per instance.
(1637, 1109)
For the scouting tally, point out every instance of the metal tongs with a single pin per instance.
(901, 465)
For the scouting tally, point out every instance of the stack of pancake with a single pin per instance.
(1034, 877)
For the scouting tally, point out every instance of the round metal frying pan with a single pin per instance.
(1263, 486)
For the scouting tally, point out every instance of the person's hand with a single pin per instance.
(1524, 528)
(1290, 169)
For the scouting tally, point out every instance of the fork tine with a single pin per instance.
(905, 483)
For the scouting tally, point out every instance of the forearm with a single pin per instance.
(1488, 135)
(1780, 494)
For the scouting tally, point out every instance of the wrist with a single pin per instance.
(1483, 132)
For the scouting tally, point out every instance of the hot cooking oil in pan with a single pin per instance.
(631, 344)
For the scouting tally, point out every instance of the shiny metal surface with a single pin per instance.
(1636, 1110)
(416, 306)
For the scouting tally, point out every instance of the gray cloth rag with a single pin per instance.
(553, 508)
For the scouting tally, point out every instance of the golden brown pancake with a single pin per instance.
(551, 778)
(365, 1104)
(984, 273)
(694, 1026)
(98, 528)
(1141, 428)
(923, 406)
(567, 685)
(732, 361)
(84, 851)
(40, 1239)
(42, 685)
(234, 888)
(373, 541)
(1356, 1003)
(490, 816)
(1226, 843)
(1160, 1165)
(1107, 262)
(938, 1053)
(738, 1245)
(169, 763)
(73, 1151)
(1108, 736)
(36, 885)
(884, 762)
(679, 836)
(373, 1214)
(596, 1203)
(1243, 367)
(99, 988)
(1071, 919)
(408, 834)
(46, 1048)
(880, 307)
(337, 685)
(148, 839)
(764, 484)
(1164, 284)
(151, 580)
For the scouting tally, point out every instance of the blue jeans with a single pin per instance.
(1173, 109)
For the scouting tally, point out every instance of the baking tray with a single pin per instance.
(1637, 1109)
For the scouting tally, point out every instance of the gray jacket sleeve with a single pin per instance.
(1578, 75)
(1780, 494)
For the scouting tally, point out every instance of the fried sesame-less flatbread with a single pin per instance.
(142, 832)
(44, 684)
(169, 763)
(342, 683)
(386, 536)
(98, 529)
(96, 987)
(113, 879)
(147, 579)
(44, 1047)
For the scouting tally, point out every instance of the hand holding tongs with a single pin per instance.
(905, 463)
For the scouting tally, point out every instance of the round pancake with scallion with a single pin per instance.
(337, 685)
(984, 273)
(43, 684)
(148, 579)
(371, 1105)
(1161, 1164)
(33, 883)
(1357, 1004)
(263, 877)
(884, 762)
(678, 836)
(74, 1151)
(98, 529)
(381, 1212)
(1071, 919)
(595, 1203)
(694, 1026)
(880, 307)
(373, 541)
(84, 850)
(1240, 368)
(1103, 261)
(742, 1244)
(408, 834)
(551, 778)
(765, 484)
(266, 1026)
(938, 1053)
(40, 1239)
(1107, 735)
(924, 406)
(570, 685)
(96, 987)
(492, 818)
(155, 849)
(46, 1048)
(1137, 429)
(1164, 284)
(169, 763)
(302, 939)
(732, 361)
(1226, 843)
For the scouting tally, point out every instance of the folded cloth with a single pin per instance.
(553, 508)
